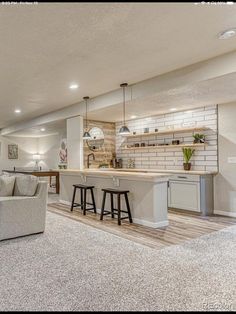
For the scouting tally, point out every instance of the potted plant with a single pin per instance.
(199, 138)
(188, 153)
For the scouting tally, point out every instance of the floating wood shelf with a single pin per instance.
(164, 146)
(180, 130)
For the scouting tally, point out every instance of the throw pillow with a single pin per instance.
(6, 185)
(25, 185)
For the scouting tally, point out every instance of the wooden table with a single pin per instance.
(40, 173)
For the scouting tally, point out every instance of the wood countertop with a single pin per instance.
(138, 172)
(110, 173)
(196, 172)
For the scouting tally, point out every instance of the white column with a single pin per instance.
(75, 142)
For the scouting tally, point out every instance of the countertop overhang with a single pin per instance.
(135, 173)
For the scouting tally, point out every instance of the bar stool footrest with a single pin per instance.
(114, 209)
(122, 211)
(106, 213)
(76, 205)
(124, 217)
(110, 213)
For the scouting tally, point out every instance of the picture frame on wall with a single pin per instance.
(12, 151)
(63, 152)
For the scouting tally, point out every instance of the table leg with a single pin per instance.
(57, 184)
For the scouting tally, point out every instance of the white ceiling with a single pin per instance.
(215, 91)
(186, 98)
(52, 128)
(45, 47)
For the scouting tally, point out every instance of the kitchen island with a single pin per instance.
(148, 195)
(190, 190)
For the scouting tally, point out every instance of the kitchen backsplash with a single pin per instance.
(104, 155)
(205, 157)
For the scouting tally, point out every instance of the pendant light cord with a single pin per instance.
(86, 101)
(124, 103)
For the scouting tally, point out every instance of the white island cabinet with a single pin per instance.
(191, 192)
(148, 195)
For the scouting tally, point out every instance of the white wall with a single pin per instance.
(225, 181)
(47, 147)
(49, 151)
(74, 129)
(26, 148)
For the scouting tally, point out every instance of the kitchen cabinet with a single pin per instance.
(191, 192)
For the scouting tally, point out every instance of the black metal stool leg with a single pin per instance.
(112, 205)
(128, 208)
(81, 198)
(103, 205)
(73, 199)
(93, 200)
(118, 205)
(84, 203)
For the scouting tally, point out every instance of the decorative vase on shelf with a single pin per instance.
(130, 163)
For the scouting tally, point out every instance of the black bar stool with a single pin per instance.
(83, 198)
(116, 211)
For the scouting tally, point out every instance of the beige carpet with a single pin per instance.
(74, 267)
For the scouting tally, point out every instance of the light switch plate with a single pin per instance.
(232, 160)
(116, 181)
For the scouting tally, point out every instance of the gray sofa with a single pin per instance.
(23, 215)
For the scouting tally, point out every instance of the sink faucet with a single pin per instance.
(88, 163)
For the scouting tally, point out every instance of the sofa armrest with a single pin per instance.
(42, 189)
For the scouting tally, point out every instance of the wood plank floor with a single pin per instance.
(182, 226)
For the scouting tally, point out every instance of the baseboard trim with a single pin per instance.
(65, 202)
(150, 224)
(224, 213)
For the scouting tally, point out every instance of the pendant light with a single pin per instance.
(124, 130)
(86, 135)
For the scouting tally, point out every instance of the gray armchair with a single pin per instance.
(23, 215)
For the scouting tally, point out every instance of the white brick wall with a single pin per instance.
(205, 158)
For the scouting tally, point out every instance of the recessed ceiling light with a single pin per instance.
(74, 86)
(17, 111)
(42, 130)
(133, 117)
(227, 34)
(173, 109)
